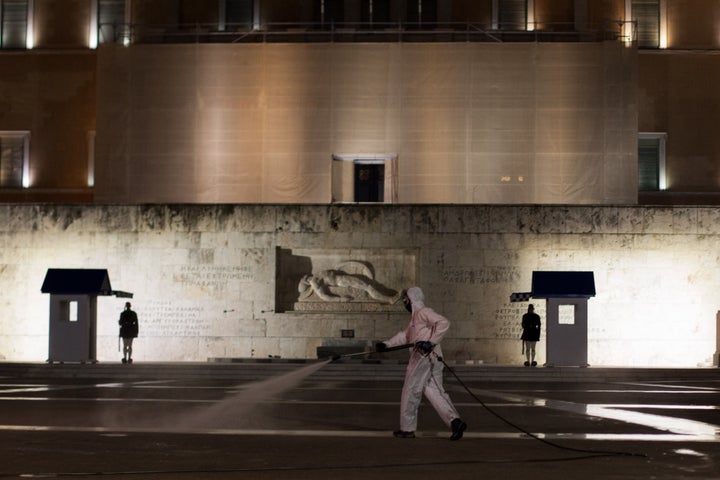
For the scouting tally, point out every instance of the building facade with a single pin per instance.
(206, 153)
(319, 101)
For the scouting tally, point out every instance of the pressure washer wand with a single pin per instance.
(399, 347)
(359, 354)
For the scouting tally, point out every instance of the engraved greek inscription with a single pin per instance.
(167, 319)
(479, 275)
(508, 322)
(212, 276)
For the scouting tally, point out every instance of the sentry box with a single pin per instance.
(73, 312)
(566, 297)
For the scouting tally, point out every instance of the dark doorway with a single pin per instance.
(239, 14)
(369, 182)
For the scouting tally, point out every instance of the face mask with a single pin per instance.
(408, 305)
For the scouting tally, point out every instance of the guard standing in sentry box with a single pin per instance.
(425, 368)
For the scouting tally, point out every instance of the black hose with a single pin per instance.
(530, 434)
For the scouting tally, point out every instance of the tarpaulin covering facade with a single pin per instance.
(457, 122)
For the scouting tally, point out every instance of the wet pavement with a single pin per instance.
(316, 421)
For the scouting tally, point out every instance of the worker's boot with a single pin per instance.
(458, 427)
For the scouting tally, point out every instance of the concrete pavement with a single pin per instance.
(299, 420)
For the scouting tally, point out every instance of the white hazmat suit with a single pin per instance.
(425, 369)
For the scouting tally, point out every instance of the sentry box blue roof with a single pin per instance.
(79, 281)
(563, 285)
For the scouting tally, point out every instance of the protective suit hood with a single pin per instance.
(417, 298)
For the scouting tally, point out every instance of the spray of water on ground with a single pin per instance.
(240, 405)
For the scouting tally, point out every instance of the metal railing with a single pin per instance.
(127, 34)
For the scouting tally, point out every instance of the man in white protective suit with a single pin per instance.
(424, 371)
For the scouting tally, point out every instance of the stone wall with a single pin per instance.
(225, 280)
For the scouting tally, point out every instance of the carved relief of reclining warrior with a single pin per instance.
(341, 285)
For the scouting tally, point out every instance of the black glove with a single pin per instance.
(380, 347)
(424, 347)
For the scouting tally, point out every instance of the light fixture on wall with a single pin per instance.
(628, 33)
(530, 24)
(93, 37)
(125, 35)
(91, 158)
(30, 32)
(663, 40)
(627, 30)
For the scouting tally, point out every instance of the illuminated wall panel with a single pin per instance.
(693, 24)
(52, 97)
(675, 91)
(61, 24)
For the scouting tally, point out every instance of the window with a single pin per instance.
(14, 149)
(369, 182)
(13, 24)
(68, 311)
(651, 161)
(236, 15)
(364, 178)
(566, 314)
(646, 13)
(510, 14)
(111, 21)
